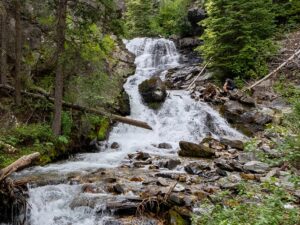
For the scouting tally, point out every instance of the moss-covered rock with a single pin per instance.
(176, 219)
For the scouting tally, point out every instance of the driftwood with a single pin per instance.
(21, 163)
(203, 69)
(121, 119)
(274, 71)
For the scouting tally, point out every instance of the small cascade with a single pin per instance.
(179, 118)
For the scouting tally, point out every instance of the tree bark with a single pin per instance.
(3, 47)
(59, 80)
(21, 163)
(18, 52)
(114, 117)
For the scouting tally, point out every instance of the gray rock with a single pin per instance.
(196, 168)
(234, 143)
(179, 188)
(172, 163)
(189, 149)
(142, 156)
(163, 182)
(114, 145)
(164, 146)
(256, 167)
(234, 108)
(176, 199)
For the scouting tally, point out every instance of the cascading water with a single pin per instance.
(180, 118)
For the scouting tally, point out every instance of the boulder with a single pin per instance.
(153, 92)
(256, 167)
(257, 117)
(234, 108)
(188, 149)
(234, 143)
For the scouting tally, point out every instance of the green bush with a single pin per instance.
(29, 134)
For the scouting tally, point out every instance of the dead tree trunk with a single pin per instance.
(59, 80)
(3, 46)
(113, 117)
(18, 52)
(21, 163)
(274, 71)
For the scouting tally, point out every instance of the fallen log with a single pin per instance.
(21, 163)
(203, 69)
(112, 116)
(274, 71)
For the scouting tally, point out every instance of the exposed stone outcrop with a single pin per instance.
(153, 92)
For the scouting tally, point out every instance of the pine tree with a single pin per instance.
(138, 17)
(238, 36)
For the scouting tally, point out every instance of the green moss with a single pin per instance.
(176, 219)
(154, 105)
(103, 130)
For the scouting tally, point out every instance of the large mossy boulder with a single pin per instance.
(153, 92)
(188, 149)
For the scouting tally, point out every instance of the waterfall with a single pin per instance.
(179, 118)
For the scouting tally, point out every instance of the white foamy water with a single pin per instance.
(179, 118)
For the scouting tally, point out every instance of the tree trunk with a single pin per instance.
(18, 52)
(21, 163)
(59, 80)
(3, 47)
(46, 96)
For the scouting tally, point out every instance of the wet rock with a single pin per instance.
(119, 208)
(172, 163)
(142, 156)
(221, 172)
(141, 164)
(196, 168)
(165, 146)
(234, 143)
(84, 201)
(256, 167)
(118, 188)
(111, 221)
(213, 143)
(110, 180)
(188, 149)
(176, 199)
(179, 188)
(115, 145)
(153, 91)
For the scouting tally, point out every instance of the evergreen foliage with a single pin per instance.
(171, 18)
(238, 36)
(138, 17)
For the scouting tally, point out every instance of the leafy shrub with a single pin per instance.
(271, 210)
(29, 134)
